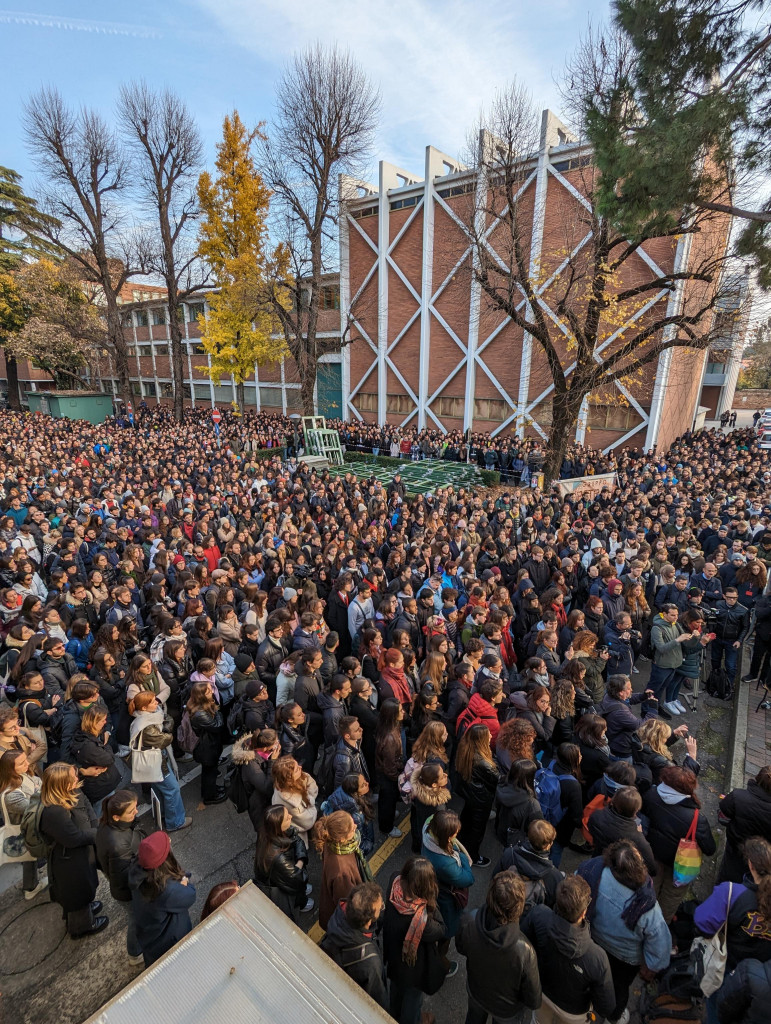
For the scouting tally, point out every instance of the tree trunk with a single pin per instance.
(177, 362)
(564, 417)
(241, 396)
(12, 373)
(118, 345)
(308, 385)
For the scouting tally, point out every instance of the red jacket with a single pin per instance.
(479, 712)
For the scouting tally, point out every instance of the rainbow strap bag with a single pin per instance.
(688, 857)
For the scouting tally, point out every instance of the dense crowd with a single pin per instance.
(337, 649)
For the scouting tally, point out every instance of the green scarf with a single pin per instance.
(352, 846)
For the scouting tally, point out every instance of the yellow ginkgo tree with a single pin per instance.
(239, 331)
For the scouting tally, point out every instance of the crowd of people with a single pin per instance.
(330, 649)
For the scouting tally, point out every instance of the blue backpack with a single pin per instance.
(547, 791)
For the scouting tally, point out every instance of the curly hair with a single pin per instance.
(516, 737)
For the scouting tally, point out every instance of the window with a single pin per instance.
(456, 190)
(293, 400)
(159, 316)
(148, 386)
(126, 320)
(181, 313)
(136, 388)
(451, 407)
(329, 297)
(146, 350)
(402, 204)
(136, 296)
(572, 164)
(365, 401)
(142, 319)
(194, 310)
(612, 417)
(271, 397)
(715, 367)
(491, 409)
(202, 392)
(161, 350)
(366, 211)
(401, 404)
(197, 350)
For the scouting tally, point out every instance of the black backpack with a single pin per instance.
(719, 684)
(326, 773)
(237, 790)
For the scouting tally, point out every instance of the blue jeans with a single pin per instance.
(171, 799)
(725, 647)
(406, 1004)
(661, 679)
(555, 854)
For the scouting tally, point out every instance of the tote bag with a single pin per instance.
(709, 955)
(688, 857)
(13, 849)
(146, 765)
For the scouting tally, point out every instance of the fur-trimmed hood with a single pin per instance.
(241, 754)
(426, 795)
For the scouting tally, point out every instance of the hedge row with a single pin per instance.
(489, 477)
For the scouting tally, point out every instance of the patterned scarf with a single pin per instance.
(415, 908)
(353, 846)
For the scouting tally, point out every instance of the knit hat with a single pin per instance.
(289, 593)
(154, 850)
(615, 586)
(495, 570)
(243, 661)
(253, 687)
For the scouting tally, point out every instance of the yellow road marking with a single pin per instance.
(376, 862)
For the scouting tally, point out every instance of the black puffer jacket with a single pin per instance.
(208, 729)
(116, 844)
(669, 823)
(479, 790)
(270, 655)
(731, 624)
(90, 752)
(574, 970)
(57, 671)
(501, 964)
(517, 808)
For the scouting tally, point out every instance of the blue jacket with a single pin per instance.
(620, 650)
(650, 942)
(80, 650)
(162, 922)
(451, 872)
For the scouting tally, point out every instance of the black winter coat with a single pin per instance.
(72, 856)
(574, 970)
(502, 970)
(270, 655)
(116, 845)
(395, 927)
(531, 864)
(594, 762)
(358, 953)
(746, 994)
(88, 752)
(516, 810)
(208, 729)
(257, 774)
(57, 671)
(607, 826)
(669, 823)
(479, 793)
(749, 814)
(161, 922)
(361, 709)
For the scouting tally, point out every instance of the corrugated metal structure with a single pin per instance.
(247, 962)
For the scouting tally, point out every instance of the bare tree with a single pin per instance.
(591, 308)
(327, 113)
(85, 175)
(167, 144)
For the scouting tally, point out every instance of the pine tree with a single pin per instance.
(688, 127)
(21, 223)
(233, 240)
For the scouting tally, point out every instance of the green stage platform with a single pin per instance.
(417, 477)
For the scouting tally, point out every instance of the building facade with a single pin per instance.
(428, 354)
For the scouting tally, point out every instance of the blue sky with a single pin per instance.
(436, 63)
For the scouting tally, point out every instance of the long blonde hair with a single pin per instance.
(655, 733)
(430, 743)
(284, 781)
(58, 789)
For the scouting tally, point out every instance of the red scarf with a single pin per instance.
(397, 680)
(415, 908)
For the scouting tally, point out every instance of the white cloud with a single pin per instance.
(435, 62)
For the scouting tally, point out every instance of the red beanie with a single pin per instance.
(154, 850)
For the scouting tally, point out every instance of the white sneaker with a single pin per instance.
(309, 905)
(308, 889)
(137, 961)
(683, 711)
(395, 833)
(635, 670)
(623, 1019)
(30, 894)
(672, 708)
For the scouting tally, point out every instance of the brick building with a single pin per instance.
(429, 354)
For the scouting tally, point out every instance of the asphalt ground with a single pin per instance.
(46, 977)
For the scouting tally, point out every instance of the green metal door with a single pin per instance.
(329, 390)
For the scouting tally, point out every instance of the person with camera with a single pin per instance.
(730, 626)
(618, 639)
